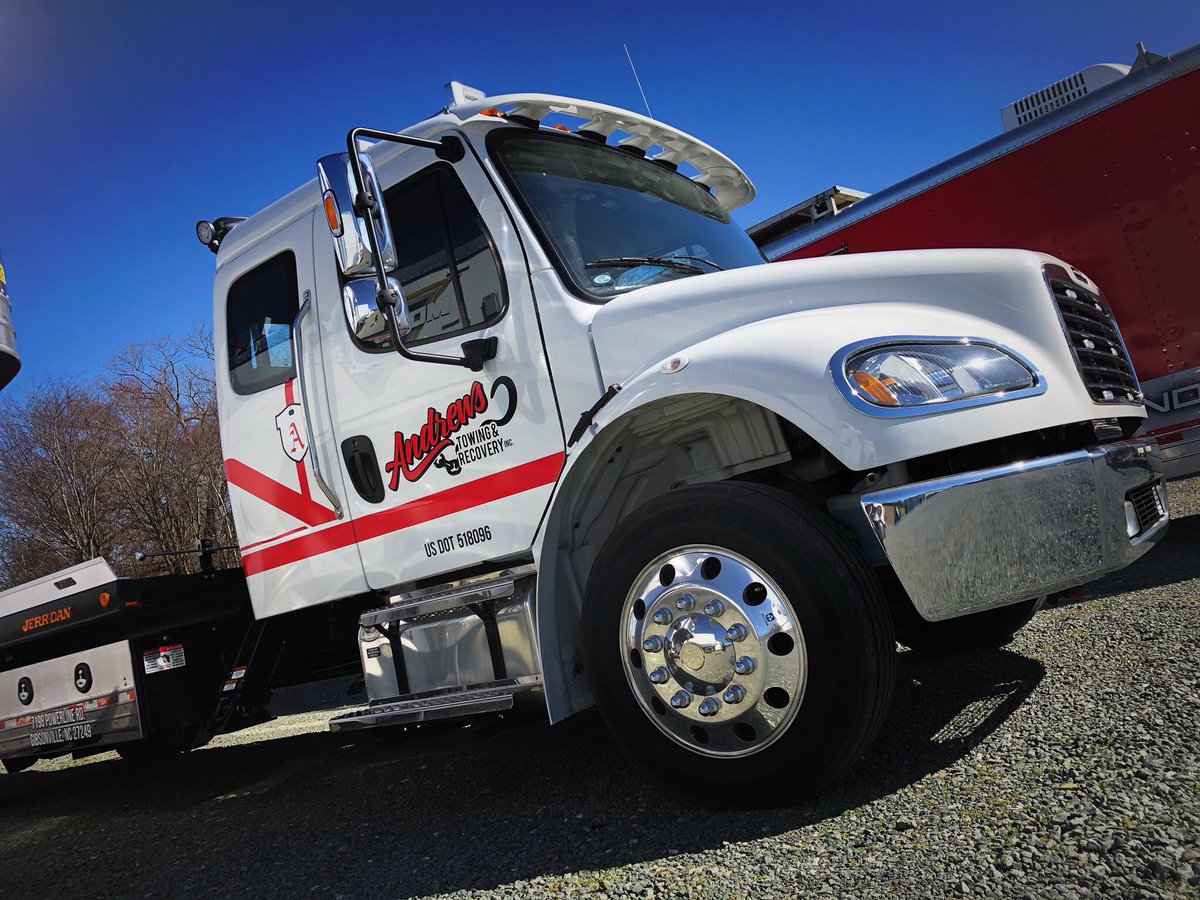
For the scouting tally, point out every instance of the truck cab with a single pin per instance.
(515, 376)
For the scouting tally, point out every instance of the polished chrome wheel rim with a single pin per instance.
(713, 652)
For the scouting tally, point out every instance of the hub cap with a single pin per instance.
(713, 652)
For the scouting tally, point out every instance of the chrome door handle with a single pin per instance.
(298, 349)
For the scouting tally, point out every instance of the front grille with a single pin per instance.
(1099, 352)
(1148, 505)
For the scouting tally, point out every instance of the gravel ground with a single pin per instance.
(1067, 764)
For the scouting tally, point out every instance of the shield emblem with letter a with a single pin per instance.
(293, 431)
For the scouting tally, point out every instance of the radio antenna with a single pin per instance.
(633, 68)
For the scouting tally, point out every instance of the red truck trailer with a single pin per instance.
(1101, 168)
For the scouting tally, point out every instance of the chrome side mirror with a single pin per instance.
(367, 321)
(349, 221)
(363, 238)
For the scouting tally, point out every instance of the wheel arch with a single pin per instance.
(652, 442)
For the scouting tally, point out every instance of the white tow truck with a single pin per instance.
(512, 389)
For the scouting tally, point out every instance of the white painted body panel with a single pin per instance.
(92, 574)
(767, 334)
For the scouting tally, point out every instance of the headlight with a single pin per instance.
(911, 377)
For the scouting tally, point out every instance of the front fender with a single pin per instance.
(783, 364)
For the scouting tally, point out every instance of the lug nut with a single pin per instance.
(709, 707)
(744, 665)
(681, 700)
(662, 617)
(714, 608)
(660, 675)
(686, 603)
(652, 644)
(733, 694)
(735, 632)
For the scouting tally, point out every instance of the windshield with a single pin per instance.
(616, 221)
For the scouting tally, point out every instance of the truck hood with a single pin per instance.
(971, 288)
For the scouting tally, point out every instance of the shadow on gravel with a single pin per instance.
(1173, 560)
(470, 808)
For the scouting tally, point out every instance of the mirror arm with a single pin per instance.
(384, 298)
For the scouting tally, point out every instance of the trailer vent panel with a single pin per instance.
(1060, 93)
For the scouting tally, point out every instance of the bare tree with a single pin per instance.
(173, 481)
(22, 558)
(59, 450)
(132, 463)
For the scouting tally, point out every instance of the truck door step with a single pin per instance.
(495, 697)
(491, 587)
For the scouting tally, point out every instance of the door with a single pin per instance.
(297, 550)
(463, 462)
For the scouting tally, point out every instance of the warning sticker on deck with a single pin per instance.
(163, 659)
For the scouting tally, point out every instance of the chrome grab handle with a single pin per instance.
(298, 350)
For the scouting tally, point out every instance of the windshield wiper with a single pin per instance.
(667, 262)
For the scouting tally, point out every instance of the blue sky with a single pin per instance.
(121, 124)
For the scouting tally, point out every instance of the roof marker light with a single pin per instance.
(212, 233)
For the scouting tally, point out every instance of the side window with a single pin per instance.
(445, 261)
(259, 312)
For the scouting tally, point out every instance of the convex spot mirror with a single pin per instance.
(351, 237)
(367, 320)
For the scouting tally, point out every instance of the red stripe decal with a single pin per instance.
(277, 495)
(275, 538)
(525, 477)
(1178, 426)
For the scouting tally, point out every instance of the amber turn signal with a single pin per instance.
(333, 218)
(875, 388)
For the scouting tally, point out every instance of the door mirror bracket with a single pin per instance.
(479, 351)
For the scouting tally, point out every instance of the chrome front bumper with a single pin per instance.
(970, 542)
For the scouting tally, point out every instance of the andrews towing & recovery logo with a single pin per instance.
(445, 442)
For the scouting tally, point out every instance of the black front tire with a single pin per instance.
(843, 632)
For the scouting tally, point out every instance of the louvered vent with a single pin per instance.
(1059, 94)
(1099, 352)
(1041, 102)
(1148, 506)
